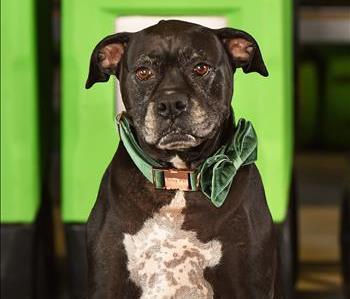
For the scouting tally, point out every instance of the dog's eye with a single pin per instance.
(201, 69)
(143, 73)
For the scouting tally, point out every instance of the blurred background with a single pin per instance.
(57, 138)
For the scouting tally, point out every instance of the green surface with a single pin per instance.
(19, 143)
(89, 136)
(337, 101)
(324, 106)
(308, 103)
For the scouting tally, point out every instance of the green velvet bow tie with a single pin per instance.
(214, 177)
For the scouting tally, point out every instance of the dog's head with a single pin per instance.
(176, 81)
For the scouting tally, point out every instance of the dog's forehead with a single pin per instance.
(174, 38)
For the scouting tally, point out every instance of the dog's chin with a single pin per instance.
(178, 142)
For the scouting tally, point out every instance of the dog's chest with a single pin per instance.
(166, 261)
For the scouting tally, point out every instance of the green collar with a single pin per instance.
(214, 177)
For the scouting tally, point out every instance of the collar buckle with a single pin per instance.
(174, 179)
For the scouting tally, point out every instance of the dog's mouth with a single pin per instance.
(178, 141)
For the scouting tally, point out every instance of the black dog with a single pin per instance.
(176, 82)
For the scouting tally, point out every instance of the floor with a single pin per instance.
(320, 183)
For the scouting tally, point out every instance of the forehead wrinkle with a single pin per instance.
(149, 59)
(157, 48)
(188, 55)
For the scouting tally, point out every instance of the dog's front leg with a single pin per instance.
(108, 276)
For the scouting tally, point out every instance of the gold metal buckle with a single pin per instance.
(176, 179)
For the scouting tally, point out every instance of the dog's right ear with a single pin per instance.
(106, 56)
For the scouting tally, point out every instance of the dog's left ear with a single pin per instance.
(106, 57)
(243, 50)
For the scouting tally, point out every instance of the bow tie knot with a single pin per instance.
(218, 171)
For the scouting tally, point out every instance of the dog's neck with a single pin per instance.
(178, 163)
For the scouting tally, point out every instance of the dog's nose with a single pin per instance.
(172, 105)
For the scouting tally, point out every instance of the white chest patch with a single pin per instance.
(166, 261)
(178, 163)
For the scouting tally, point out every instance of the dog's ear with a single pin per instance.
(243, 50)
(106, 56)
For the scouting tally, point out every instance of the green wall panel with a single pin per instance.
(89, 136)
(337, 104)
(308, 95)
(19, 132)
